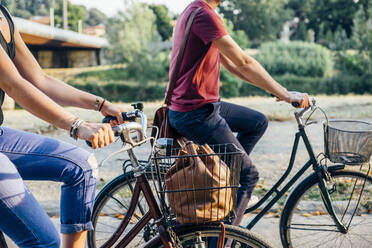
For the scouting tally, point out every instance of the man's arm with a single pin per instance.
(247, 68)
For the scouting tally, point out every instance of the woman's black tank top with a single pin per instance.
(9, 49)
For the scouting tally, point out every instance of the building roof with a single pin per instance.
(44, 35)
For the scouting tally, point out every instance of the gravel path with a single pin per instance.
(271, 156)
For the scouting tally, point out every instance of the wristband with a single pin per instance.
(98, 103)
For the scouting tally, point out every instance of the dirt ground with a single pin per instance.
(271, 155)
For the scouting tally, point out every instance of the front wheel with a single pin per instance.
(305, 221)
(207, 235)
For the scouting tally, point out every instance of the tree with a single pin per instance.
(163, 21)
(261, 20)
(362, 35)
(239, 36)
(75, 13)
(133, 37)
(327, 16)
(95, 17)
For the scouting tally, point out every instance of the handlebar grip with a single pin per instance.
(127, 116)
(89, 143)
(295, 104)
(109, 118)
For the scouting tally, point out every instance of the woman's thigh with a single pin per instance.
(41, 158)
(22, 218)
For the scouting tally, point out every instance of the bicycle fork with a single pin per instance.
(324, 193)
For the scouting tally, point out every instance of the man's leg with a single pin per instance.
(248, 123)
(206, 126)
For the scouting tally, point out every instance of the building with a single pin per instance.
(98, 30)
(59, 48)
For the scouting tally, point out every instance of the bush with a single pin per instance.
(339, 84)
(124, 92)
(352, 64)
(297, 58)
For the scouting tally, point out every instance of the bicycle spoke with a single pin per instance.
(309, 221)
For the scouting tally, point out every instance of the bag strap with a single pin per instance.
(173, 78)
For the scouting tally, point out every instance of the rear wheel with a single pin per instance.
(305, 221)
(207, 235)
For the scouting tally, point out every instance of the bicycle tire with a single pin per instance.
(105, 228)
(305, 222)
(240, 237)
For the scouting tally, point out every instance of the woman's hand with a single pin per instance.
(113, 110)
(100, 135)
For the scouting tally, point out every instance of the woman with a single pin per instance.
(33, 157)
(195, 110)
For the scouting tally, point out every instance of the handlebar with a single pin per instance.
(301, 112)
(126, 130)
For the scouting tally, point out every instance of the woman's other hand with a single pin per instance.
(111, 109)
(100, 135)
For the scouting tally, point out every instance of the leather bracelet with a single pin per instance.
(100, 107)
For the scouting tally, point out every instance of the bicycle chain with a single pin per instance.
(176, 242)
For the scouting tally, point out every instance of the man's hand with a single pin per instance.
(301, 98)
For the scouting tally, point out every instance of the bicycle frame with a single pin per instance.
(141, 185)
(279, 193)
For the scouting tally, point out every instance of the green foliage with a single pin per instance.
(133, 38)
(261, 20)
(324, 16)
(298, 58)
(125, 92)
(239, 36)
(362, 35)
(95, 17)
(74, 14)
(163, 21)
(352, 64)
(230, 85)
(338, 84)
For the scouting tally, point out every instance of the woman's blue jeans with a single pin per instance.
(27, 156)
(214, 123)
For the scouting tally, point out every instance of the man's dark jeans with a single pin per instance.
(214, 123)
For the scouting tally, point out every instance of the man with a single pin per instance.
(196, 111)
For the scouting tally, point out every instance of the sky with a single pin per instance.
(110, 7)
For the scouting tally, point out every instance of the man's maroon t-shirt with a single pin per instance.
(199, 74)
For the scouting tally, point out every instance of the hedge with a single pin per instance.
(297, 58)
(231, 87)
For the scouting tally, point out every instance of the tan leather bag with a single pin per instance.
(189, 180)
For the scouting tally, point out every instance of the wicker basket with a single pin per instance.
(228, 155)
(348, 141)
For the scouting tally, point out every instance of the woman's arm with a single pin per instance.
(57, 90)
(39, 104)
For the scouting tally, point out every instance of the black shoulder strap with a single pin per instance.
(9, 19)
(173, 78)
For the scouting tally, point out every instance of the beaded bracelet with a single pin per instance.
(75, 128)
